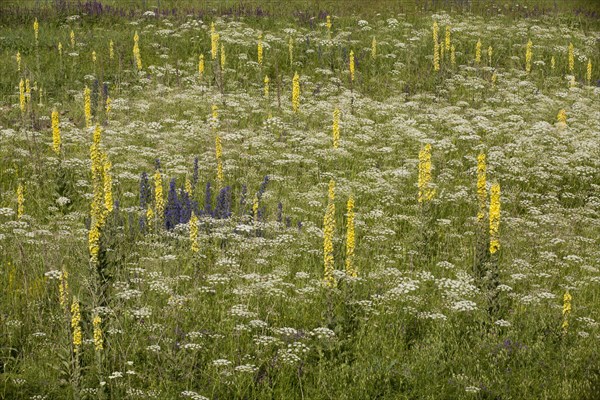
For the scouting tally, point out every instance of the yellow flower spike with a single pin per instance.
(98, 337)
(111, 50)
(494, 217)
(478, 51)
(328, 234)
(149, 214)
(259, 49)
(350, 240)
(36, 30)
(552, 63)
(447, 38)
(55, 133)
(588, 74)
(566, 311)
(426, 192)
(266, 89)
(159, 201)
(136, 51)
(214, 42)
(76, 325)
(494, 79)
(22, 99)
(571, 58)
(107, 182)
(20, 201)
(296, 93)
(255, 208)
(561, 117)
(223, 57)
(94, 58)
(60, 49)
(490, 52)
(200, 66)
(63, 288)
(18, 58)
(481, 187)
(436, 46)
(351, 65)
(336, 128)
(328, 25)
(107, 106)
(188, 186)
(87, 106)
(195, 247)
(219, 154)
(72, 37)
(291, 50)
(528, 56)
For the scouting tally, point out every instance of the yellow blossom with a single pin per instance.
(588, 75)
(436, 47)
(350, 240)
(159, 201)
(136, 51)
(571, 58)
(60, 49)
(76, 325)
(552, 63)
(223, 57)
(490, 52)
(561, 118)
(255, 208)
(351, 65)
(296, 93)
(22, 99)
(200, 66)
(447, 38)
(98, 339)
(87, 106)
(566, 311)
(528, 56)
(481, 187)
(478, 51)
(111, 50)
(494, 216)
(63, 288)
(426, 192)
(20, 201)
(328, 234)
(36, 29)
(55, 132)
(259, 49)
(72, 36)
(336, 128)
(94, 57)
(266, 90)
(214, 42)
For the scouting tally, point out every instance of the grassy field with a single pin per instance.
(299, 200)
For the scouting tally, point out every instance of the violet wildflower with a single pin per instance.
(173, 208)
(145, 191)
(207, 200)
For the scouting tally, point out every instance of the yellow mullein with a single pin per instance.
(552, 63)
(55, 132)
(223, 57)
(96, 156)
(22, 99)
(195, 247)
(494, 78)
(490, 52)
(266, 90)
(188, 186)
(87, 106)
(63, 288)
(18, 57)
(107, 182)
(336, 128)
(60, 49)
(528, 56)
(94, 57)
(291, 50)
(571, 58)
(296, 93)
(136, 51)
(426, 192)
(350, 240)
(447, 38)
(374, 48)
(76, 325)
(214, 42)
(328, 233)
(259, 49)
(478, 51)
(494, 216)
(588, 74)
(159, 201)
(27, 91)
(453, 55)
(98, 339)
(481, 187)
(72, 36)
(351, 65)
(566, 311)
(328, 25)
(200, 66)
(255, 208)
(20, 201)
(436, 47)
(561, 117)
(219, 154)
(149, 214)
(36, 30)
(111, 50)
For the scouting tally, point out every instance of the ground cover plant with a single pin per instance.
(335, 200)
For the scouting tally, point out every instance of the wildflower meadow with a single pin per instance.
(216, 200)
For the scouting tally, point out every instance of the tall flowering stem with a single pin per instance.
(136, 51)
(328, 232)
(373, 48)
(22, 98)
(76, 325)
(159, 201)
(566, 311)
(351, 65)
(528, 56)
(195, 247)
(336, 128)
(571, 58)
(98, 336)
(494, 217)
(296, 93)
(87, 106)
(200, 66)
(55, 133)
(20, 201)
(478, 51)
(436, 47)
(481, 187)
(426, 192)
(259, 50)
(214, 42)
(350, 240)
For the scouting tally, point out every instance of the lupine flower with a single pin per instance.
(266, 90)
(195, 247)
(528, 56)
(136, 51)
(566, 311)
(20, 201)
(328, 232)
(436, 47)
(76, 325)
(351, 65)
(296, 93)
(571, 58)
(173, 207)
(478, 51)
(481, 187)
(98, 339)
(187, 207)
(208, 199)
(214, 42)
(426, 193)
(336, 128)
(87, 106)
(263, 186)
(145, 191)
(494, 216)
(350, 241)
(374, 48)
(259, 49)
(223, 203)
(200, 66)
